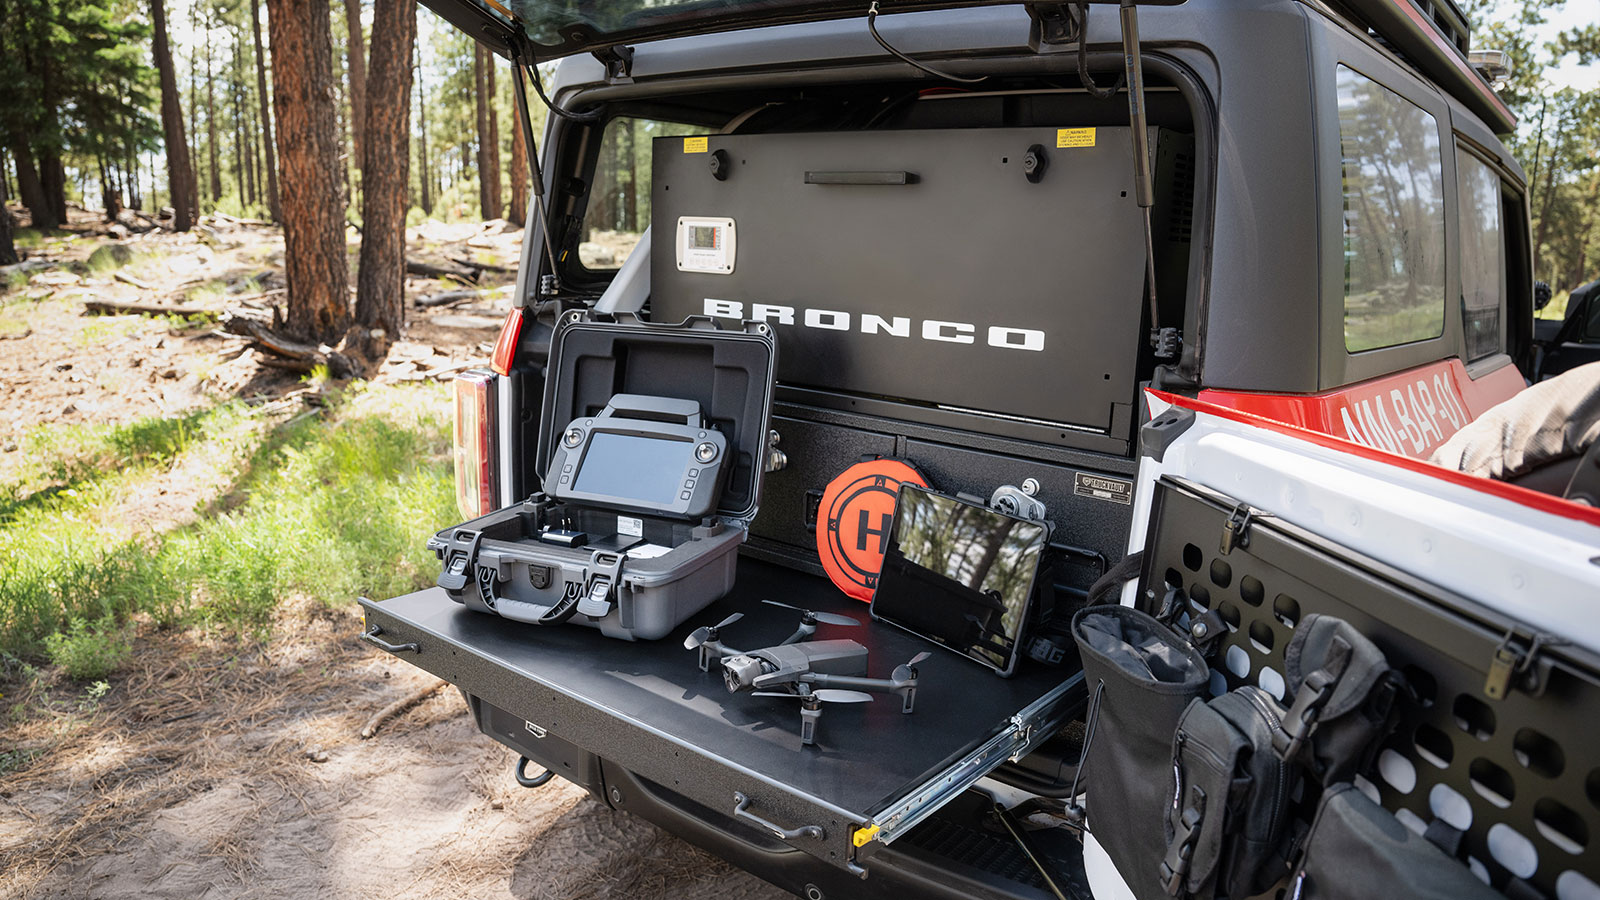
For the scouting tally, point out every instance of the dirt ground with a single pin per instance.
(213, 769)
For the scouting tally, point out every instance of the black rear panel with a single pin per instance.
(966, 285)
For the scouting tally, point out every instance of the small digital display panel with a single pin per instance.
(649, 470)
(703, 237)
(960, 575)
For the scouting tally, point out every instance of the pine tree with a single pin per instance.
(273, 207)
(308, 147)
(357, 73)
(380, 286)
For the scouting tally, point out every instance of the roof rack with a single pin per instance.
(1434, 37)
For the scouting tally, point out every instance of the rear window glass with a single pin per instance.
(1482, 269)
(1393, 216)
(619, 203)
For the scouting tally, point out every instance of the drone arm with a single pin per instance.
(803, 633)
(712, 650)
(906, 689)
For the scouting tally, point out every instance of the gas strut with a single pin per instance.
(521, 93)
(1163, 340)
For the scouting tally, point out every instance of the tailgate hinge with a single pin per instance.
(1053, 23)
(618, 61)
(1236, 531)
(1516, 663)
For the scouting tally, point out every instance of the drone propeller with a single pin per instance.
(830, 618)
(908, 671)
(708, 632)
(826, 695)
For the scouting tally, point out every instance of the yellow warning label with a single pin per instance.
(702, 144)
(1074, 137)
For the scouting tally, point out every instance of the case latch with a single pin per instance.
(605, 568)
(459, 555)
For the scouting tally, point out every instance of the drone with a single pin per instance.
(813, 672)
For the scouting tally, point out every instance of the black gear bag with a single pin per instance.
(1141, 676)
(1227, 823)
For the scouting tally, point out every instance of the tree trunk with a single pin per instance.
(266, 116)
(53, 176)
(30, 188)
(180, 175)
(358, 79)
(630, 200)
(519, 168)
(488, 133)
(496, 198)
(211, 121)
(1544, 207)
(308, 146)
(424, 170)
(8, 249)
(380, 286)
(240, 156)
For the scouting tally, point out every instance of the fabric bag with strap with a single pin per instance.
(1227, 823)
(1141, 676)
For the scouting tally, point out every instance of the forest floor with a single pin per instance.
(159, 468)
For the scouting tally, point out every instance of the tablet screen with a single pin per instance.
(959, 574)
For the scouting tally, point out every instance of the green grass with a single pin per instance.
(328, 506)
(27, 238)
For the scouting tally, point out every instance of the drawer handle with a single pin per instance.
(371, 637)
(741, 810)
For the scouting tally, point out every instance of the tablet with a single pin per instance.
(960, 575)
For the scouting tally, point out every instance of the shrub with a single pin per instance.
(85, 652)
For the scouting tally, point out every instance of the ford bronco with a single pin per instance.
(1212, 279)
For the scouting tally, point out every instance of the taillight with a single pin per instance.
(505, 346)
(474, 442)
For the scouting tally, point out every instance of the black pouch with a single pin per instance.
(1356, 850)
(1346, 699)
(1140, 675)
(1227, 822)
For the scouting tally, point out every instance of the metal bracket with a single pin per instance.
(1236, 531)
(1052, 24)
(618, 61)
(1516, 663)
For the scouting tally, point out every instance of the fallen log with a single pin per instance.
(487, 267)
(125, 308)
(448, 298)
(429, 270)
(125, 278)
(308, 356)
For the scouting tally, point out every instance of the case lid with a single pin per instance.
(728, 371)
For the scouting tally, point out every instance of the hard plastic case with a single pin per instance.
(496, 562)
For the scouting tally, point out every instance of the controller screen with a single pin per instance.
(649, 470)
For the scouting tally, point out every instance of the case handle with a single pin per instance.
(741, 810)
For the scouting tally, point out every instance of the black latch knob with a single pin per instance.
(721, 165)
(1034, 162)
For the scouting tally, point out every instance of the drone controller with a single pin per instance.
(644, 454)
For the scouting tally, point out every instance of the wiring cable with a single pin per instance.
(872, 26)
(1095, 90)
